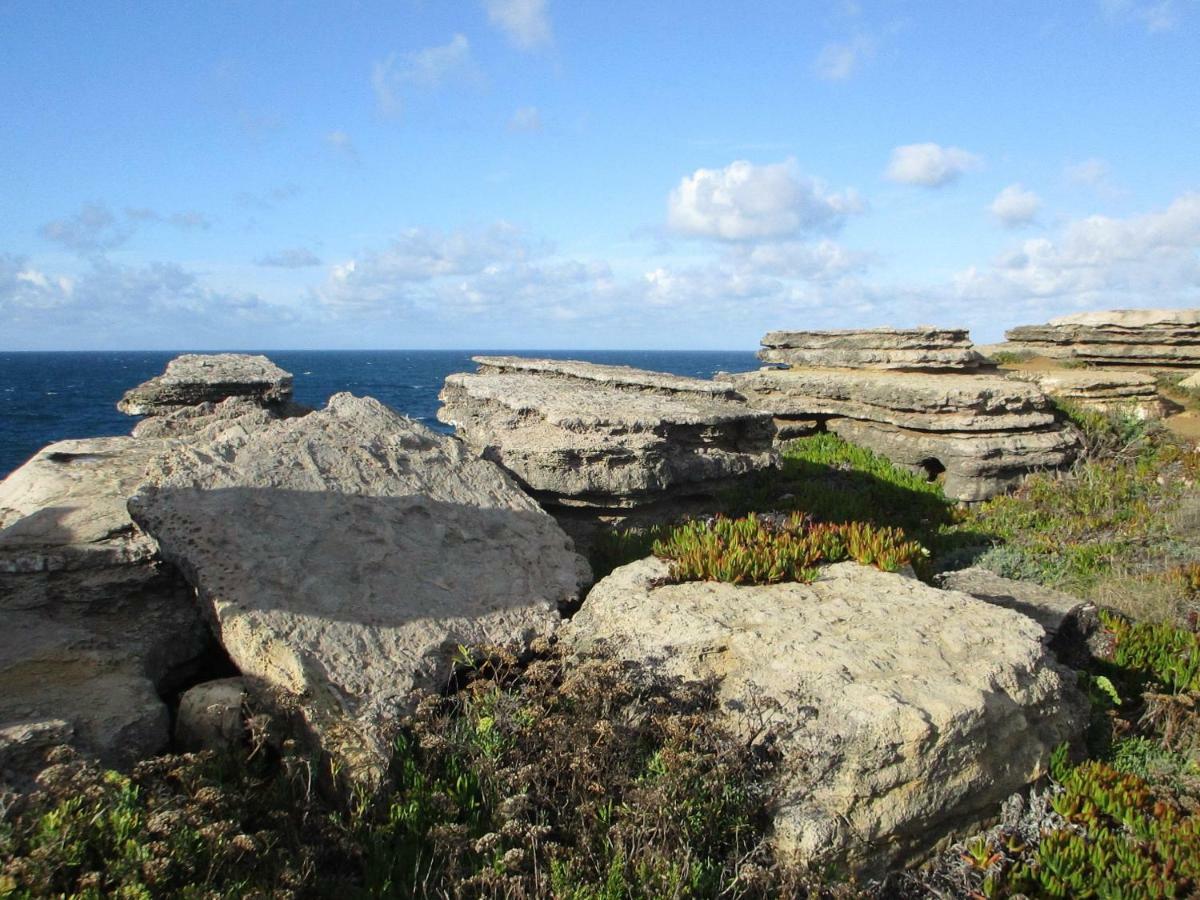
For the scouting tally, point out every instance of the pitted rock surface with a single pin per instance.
(345, 555)
(1134, 337)
(904, 711)
(606, 436)
(196, 378)
(921, 348)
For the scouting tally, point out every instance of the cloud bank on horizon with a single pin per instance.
(538, 174)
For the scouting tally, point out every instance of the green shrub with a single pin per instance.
(1159, 653)
(755, 550)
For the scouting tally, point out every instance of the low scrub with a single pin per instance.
(764, 550)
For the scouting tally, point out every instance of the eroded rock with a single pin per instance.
(195, 378)
(903, 711)
(1105, 390)
(924, 348)
(1120, 337)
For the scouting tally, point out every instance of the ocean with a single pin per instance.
(47, 397)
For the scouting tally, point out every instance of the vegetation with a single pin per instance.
(754, 550)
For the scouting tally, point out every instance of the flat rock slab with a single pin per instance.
(1102, 389)
(197, 378)
(922, 348)
(605, 436)
(933, 402)
(1145, 337)
(1046, 606)
(345, 555)
(905, 711)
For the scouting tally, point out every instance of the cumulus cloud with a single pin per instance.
(292, 258)
(744, 201)
(1102, 261)
(525, 22)
(526, 119)
(838, 60)
(429, 69)
(93, 229)
(1015, 206)
(929, 165)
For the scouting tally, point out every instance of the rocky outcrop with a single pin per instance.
(95, 631)
(211, 716)
(196, 378)
(345, 555)
(924, 348)
(1151, 338)
(606, 437)
(902, 711)
(1104, 390)
(983, 431)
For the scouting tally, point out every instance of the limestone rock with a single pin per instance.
(1138, 337)
(1105, 390)
(198, 378)
(976, 465)
(211, 716)
(1046, 606)
(584, 434)
(1191, 383)
(905, 711)
(922, 348)
(345, 555)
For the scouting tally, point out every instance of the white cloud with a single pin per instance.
(1092, 172)
(1154, 15)
(93, 229)
(526, 119)
(525, 22)
(930, 165)
(838, 60)
(429, 69)
(1015, 206)
(292, 258)
(341, 143)
(744, 201)
(1099, 261)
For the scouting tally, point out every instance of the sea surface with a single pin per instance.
(46, 397)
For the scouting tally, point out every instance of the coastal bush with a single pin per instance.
(766, 550)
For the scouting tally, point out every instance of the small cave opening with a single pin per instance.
(933, 468)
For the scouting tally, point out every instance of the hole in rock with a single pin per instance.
(933, 468)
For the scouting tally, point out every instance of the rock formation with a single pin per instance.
(984, 432)
(1104, 390)
(923, 348)
(198, 378)
(1152, 338)
(605, 437)
(904, 711)
(343, 557)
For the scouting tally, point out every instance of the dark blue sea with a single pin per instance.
(46, 397)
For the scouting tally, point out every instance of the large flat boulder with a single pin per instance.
(1105, 390)
(95, 631)
(904, 712)
(1152, 338)
(345, 555)
(924, 348)
(583, 434)
(195, 378)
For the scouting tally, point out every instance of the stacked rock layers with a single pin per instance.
(1121, 337)
(921, 348)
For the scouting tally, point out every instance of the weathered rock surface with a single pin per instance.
(1046, 606)
(344, 556)
(94, 629)
(211, 716)
(1136, 337)
(583, 434)
(198, 378)
(921, 348)
(1192, 382)
(985, 432)
(905, 711)
(1105, 390)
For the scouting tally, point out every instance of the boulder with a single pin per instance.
(1046, 606)
(923, 348)
(1105, 390)
(211, 716)
(195, 378)
(606, 437)
(344, 556)
(95, 629)
(1152, 338)
(903, 712)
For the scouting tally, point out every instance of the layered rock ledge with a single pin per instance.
(196, 378)
(924, 348)
(1121, 337)
(606, 437)
(1105, 390)
(902, 711)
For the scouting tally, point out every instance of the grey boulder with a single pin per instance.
(195, 378)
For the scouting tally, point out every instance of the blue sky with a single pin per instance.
(545, 174)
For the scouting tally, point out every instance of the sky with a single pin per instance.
(438, 174)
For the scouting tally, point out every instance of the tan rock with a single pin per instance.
(197, 378)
